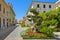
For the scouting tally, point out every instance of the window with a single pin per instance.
(37, 5)
(4, 10)
(0, 22)
(7, 13)
(49, 6)
(7, 23)
(44, 6)
(7, 19)
(0, 7)
(4, 22)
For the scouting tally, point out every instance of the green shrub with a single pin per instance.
(22, 24)
(47, 31)
(56, 29)
(50, 18)
(50, 32)
(29, 29)
(39, 35)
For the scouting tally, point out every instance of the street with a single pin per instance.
(5, 32)
(15, 35)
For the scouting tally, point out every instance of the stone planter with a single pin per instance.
(57, 34)
(39, 39)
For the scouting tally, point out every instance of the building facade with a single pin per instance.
(11, 15)
(5, 14)
(57, 4)
(42, 6)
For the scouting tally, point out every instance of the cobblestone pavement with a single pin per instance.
(5, 32)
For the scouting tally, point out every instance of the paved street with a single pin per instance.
(5, 32)
(15, 35)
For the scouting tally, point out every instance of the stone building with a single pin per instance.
(6, 14)
(41, 6)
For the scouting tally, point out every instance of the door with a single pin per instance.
(0, 22)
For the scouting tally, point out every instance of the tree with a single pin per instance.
(34, 17)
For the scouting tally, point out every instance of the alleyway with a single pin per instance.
(5, 32)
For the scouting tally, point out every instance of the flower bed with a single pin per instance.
(28, 34)
(35, 35)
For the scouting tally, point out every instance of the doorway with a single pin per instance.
(0, 22)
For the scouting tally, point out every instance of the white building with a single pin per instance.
(42, 6)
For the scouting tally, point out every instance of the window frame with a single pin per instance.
(49, 6)
(4, 10)
(44, 6)
(0, 7)
(38, 6)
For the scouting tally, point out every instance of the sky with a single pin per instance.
(21, 7)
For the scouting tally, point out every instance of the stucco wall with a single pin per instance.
(41, 9)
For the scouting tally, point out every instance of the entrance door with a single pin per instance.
(0, 22)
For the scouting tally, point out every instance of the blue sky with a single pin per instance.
(20, 7)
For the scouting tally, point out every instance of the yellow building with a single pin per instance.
(7, 15)
(12, 15)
